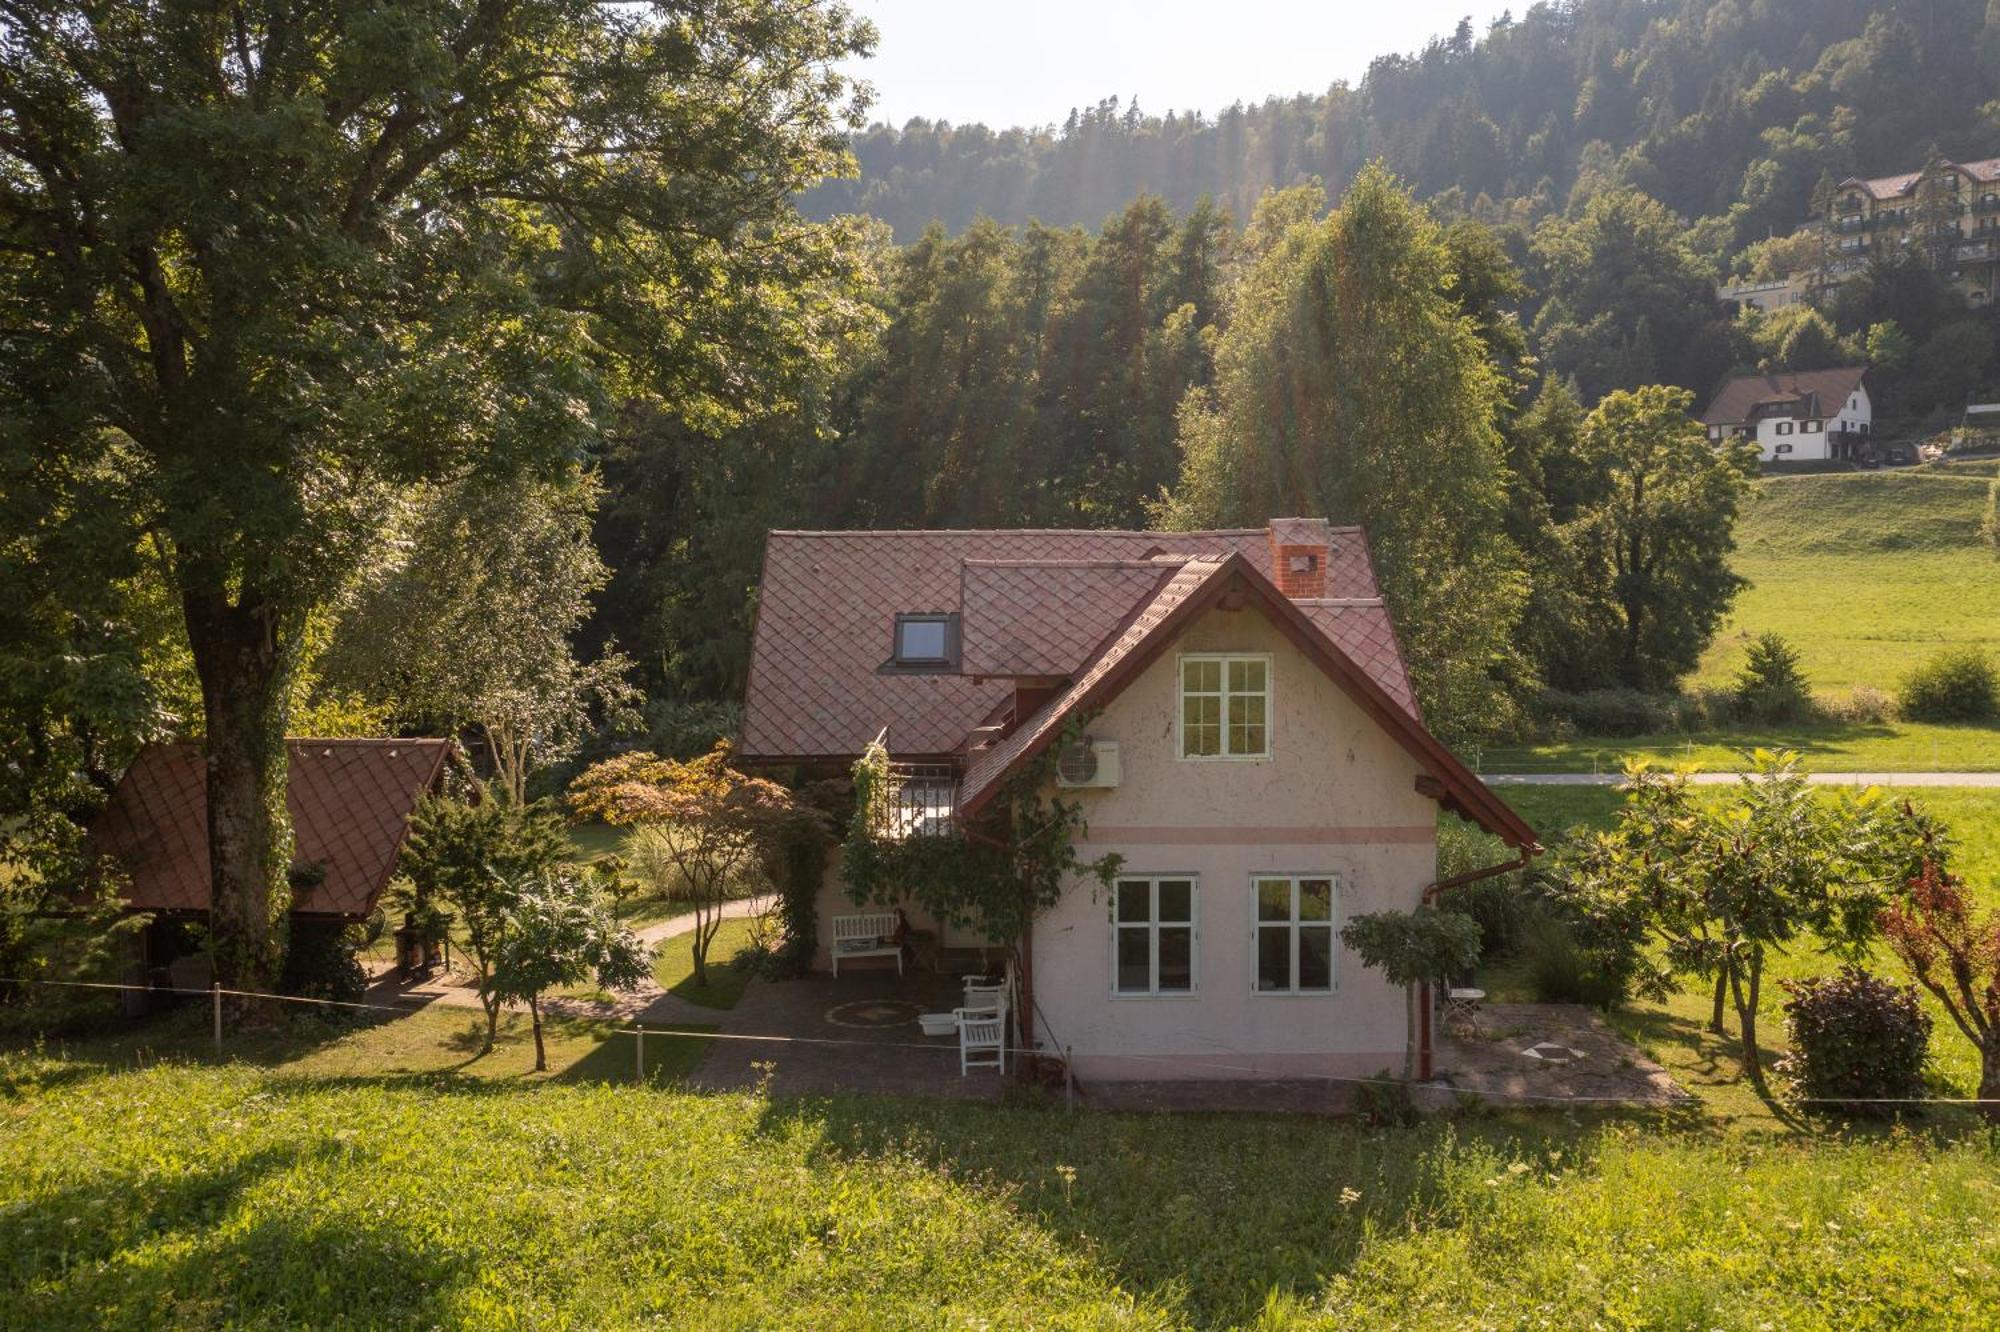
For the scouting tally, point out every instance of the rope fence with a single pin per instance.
(639, 1032)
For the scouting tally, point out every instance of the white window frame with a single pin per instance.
(1152, 928)
(1258, 925)
(1181, 696)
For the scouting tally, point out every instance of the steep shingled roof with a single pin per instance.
(350, 803)
(1818, 393)
(827, 608)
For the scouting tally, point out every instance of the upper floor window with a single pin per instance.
(924, 640)
(1225, 706)
(1784, 427)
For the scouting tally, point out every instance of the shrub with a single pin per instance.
(1957, 684)
(1854, 1036)
(1771, 686)
(321, 962)
(1498, 904)
(1385, 1101)
(1861, 706)
(1609, 711)
(1562, 969)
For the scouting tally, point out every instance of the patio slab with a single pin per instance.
(857, 1033)
(1529, 1054)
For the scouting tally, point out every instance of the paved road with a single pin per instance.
(1724, 778)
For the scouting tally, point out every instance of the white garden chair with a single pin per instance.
(982, 1039)
(985, 993)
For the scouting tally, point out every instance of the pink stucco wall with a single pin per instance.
(1336, 797)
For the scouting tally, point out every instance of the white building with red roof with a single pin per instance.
(1251, 749)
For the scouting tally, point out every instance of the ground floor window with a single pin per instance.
(1153, 935)
(1294, 934)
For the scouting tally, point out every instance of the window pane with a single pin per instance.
(1134, 900)
(1134, 959)
(1201, 741)
(1274, 957)
(1176, 958)
(920, 640)
(1176, 899)
(1315, 957)
(1274, 899)
(1205, 676)
(1246, 675)
(1315, 899)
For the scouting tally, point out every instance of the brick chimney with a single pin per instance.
(1299, 549)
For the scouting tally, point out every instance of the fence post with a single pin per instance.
(639, 1044)
(215, 994)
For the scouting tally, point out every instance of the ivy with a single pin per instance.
(993, 877)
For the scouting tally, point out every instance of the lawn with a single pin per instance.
(1867, 573)
(1827, 747)
(674, 969)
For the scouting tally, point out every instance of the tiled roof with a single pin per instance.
(826, 617)
(1175, 587)
(1006, 625)
(1986, 170)
(350, 803)
(1362, 630)
(1815, 392)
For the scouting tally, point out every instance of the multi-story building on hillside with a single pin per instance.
(1956, 215)
(1803, 416)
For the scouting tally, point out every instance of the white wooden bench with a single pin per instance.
(869, 935)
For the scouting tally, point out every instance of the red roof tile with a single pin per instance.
(350, 803)
(1817, 393)
(1007, 627)
(826, 617)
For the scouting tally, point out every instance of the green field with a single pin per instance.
(1894, 746)
(187, 1196)
(1867, 573)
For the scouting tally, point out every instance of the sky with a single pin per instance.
(1027, 62)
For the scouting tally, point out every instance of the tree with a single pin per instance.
(1771, 684)
(720, 826)
(1414, 949)
(470, 623)
(466, 858)
(1654, 540)
(1350, 384)
(1626, 303)
(558, 930)
(1718, 885)
(296, 258)
(1955, 954)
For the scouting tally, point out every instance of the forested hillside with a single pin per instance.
(1724, 109)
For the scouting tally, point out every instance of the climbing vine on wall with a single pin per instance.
(993, 877)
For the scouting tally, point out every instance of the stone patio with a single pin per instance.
(859, 1033)
(1529, 1054)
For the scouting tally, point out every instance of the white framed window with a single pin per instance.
(1784, 427)
(1815, 427)
(1225, 706)
(1294, 933)
(1154, 944)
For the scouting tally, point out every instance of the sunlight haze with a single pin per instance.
(1028, 62)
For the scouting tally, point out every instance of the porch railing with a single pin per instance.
(921, 801)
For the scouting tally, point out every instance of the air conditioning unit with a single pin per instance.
(1088, 762)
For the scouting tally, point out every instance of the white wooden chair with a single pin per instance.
(869, 935)
(983, 992)
(982, 1039)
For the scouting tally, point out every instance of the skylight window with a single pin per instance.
(923, 640)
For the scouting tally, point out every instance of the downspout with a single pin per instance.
(1430, 898)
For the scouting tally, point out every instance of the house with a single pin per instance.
(1956, 218)
(1253, 751)
(1765, 294)
(1798, 416)
(350, 804)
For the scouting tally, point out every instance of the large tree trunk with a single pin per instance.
(1989, 1077)
(243, 655)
